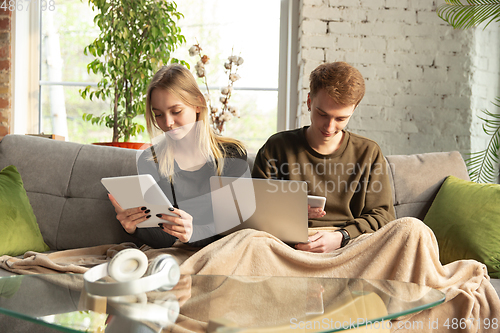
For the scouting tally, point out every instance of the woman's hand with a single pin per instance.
(180, 226)
(322, 242)
(129, 218)
(315, 213)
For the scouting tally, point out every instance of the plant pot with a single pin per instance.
(128, 145)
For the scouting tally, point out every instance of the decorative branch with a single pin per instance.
(219, 117)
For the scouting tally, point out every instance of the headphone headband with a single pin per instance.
(166, 277)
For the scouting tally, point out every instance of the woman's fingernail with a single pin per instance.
(143, 208)
(171, 209)
(147, 211)
(158, 215)
(148, 216)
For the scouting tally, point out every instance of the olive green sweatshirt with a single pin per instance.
(354, 179)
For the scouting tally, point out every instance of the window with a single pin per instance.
(259, 31)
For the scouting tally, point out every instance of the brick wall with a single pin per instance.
(418, 70)
(5, 72)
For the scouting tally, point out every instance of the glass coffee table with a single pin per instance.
(203, 303)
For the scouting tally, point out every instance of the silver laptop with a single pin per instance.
(278, 207)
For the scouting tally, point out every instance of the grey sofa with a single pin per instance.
(62, 180)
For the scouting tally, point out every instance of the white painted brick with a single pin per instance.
(394, 113)
(352, 15)
(373, 4)
(419, 72)
(376, 99)
(313, 54)
(457, 102)
(379, 29)
(443, 60)
(386, 72)
(420, 143)
(419, 114)
(364, 58)
(347, 3)
(321, 13)
(305, 120)
(378, 124)
(392, 87)
(423, 4)
(313, 2)
(320, 41)
(368, 72)
(408, 59)
(427, 17)
(399, 44)
(309, 66)
(480, 90)
(421, 44)
(451, 45)
(419, 30)
(332, 56)
(392, 16)
(457, 74)
(310, 27)
(339, 27)
(369, 111)
(445, 88)
(409, 100)
(348, 43)
(397, 4)
(409, 127)
(409, 73)
(374, 43)
(422, 87)
(480, 63)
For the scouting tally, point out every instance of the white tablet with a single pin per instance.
(140, 191)
(316, 202)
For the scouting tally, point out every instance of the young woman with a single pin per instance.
(183, 158)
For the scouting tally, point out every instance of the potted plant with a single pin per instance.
(136, 38)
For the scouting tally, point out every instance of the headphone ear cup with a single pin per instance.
(128, 265)
(165, 263)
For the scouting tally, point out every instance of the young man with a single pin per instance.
(348, 169)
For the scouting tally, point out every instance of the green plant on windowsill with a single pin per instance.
(466, 15)
(136, 38)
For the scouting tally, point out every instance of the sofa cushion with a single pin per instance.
(62, 181)
(417, 178)
(465, 217)
(20, 232)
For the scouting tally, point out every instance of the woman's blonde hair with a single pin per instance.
(179, 81)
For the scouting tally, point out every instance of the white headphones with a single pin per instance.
(127, 267)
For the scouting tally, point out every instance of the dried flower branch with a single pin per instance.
(219, 116)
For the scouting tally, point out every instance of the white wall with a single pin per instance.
(422, 76)
(485, 73)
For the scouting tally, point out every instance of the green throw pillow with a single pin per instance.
(19, 229)
(465, 217)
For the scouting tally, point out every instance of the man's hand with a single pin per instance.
(315, 213)
(322, 242)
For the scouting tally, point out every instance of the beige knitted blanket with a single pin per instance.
(403, 250)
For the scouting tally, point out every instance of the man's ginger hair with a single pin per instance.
(342, 82)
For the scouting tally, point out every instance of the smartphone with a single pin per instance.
(316, 202)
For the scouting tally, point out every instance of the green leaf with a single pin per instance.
(482, 164)
(472, 14)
